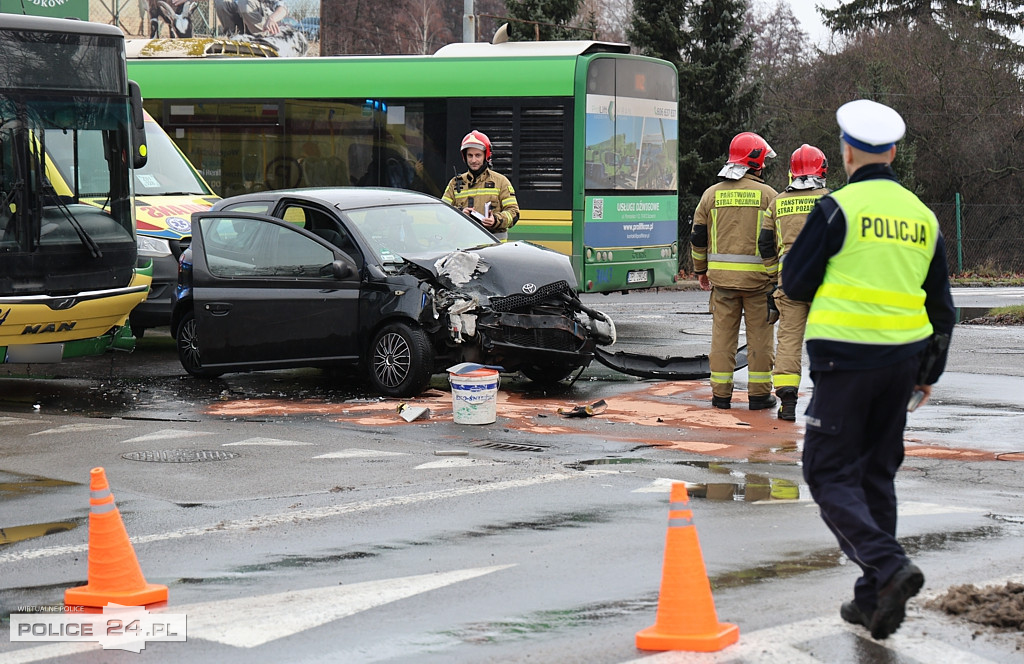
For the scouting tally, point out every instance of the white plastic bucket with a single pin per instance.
(475, 396)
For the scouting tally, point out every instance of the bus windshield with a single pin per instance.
(82, 134)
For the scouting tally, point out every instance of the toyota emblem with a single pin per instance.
(529, 289)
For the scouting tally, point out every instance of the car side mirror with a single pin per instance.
(344, 268)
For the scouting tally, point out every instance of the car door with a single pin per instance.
(265, 294)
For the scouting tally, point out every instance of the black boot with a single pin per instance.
(721, 402)
(761, 402)
(787, 411)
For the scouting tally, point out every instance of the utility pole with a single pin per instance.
(468, 22)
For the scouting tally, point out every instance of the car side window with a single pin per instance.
(256, 207)
(255, 248)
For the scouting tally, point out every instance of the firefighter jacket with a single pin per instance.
(489, 187)
(783, 221)
(726, 225)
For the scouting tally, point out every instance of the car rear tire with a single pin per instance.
(401, 361)
(547, 374)
(188, 348)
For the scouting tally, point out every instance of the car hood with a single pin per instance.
(500, 269)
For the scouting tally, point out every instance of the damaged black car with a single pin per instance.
(395, 282)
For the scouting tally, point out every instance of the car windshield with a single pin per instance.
(398, 230)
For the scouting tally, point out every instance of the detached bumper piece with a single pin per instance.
(663, 368)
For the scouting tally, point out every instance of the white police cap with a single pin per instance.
(870, 126)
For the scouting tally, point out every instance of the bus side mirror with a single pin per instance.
(138, 126)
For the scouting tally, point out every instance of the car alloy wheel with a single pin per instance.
(401, 360)
(188, 348)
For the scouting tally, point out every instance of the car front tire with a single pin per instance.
(188, 348)
(401, 361)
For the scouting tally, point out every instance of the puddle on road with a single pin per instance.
(610, 461)
(12, 534)
(16, 485)
(752, 487)
(757, 488)
(13, 485)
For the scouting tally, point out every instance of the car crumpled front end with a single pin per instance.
(514, 305)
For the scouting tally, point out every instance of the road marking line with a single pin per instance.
(356, 453)
(911, 508)
(4, 421)
(164, 434)
(293, 516)
(659, 485)
(455, 463)
(248, 622)
(269, 442)
(82, 426)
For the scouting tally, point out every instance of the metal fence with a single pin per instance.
(982, 239)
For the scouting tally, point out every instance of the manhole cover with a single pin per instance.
(179, 456)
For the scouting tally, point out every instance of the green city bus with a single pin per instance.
(586, 132)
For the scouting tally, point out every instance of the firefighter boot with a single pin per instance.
(787, 411)
(761, 402)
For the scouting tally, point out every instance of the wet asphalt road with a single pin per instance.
(322, 527)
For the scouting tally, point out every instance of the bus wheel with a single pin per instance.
(401, 361)
(547, 374)
(188, 348)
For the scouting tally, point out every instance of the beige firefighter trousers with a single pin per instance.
(788, 352)
(727, 307)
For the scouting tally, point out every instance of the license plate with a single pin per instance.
(636, 277)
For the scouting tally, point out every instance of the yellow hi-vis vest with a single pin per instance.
(871, 292)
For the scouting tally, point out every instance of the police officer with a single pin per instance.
(481, 190)
(725, 257)
(872, 262)
(782, 223)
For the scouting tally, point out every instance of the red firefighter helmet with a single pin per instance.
(476, 139)
(808, 160)
(749, 149)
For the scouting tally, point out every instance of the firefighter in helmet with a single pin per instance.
(726, 260)
(485, 195)
(783, 220)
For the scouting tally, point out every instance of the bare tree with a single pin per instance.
(422, 24)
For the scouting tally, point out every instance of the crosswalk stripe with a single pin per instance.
(780, 644)
(80, 427)
(164, 434)
(247, 622)
(268, 442)
(356, 453)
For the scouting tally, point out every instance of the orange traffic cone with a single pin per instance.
(114, 572)
(686, 617)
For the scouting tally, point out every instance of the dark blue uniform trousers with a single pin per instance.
(853, 447)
